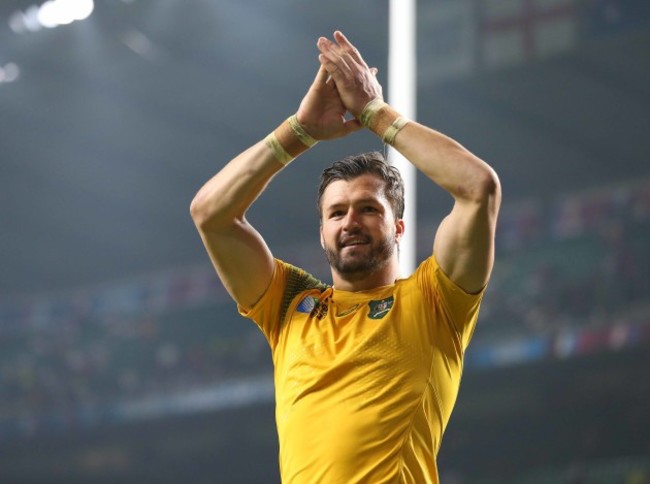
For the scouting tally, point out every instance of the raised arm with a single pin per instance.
(464, 243)
(242, 259)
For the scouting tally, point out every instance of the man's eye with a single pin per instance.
(369, 209)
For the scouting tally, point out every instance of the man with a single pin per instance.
(366, 370)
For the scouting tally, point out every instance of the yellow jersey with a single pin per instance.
(365, 382)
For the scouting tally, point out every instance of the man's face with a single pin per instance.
(358, 230)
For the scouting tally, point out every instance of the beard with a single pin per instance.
(363, 259)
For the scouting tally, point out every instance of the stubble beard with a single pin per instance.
(378, 255)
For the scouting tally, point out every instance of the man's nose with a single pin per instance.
(351, 220)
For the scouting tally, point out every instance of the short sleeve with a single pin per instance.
(462, 308)
(265, 313)
(270, 311)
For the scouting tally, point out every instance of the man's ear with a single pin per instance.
(322, 240)
(399, 229)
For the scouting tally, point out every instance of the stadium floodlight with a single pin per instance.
(63, 12)
(50, 14)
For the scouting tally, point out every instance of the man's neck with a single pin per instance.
(366, 281)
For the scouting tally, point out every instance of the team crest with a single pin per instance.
(379, 309)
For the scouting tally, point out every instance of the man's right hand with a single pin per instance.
(356, 83)
(322, 112)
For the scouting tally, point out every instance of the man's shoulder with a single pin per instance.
(297, 282)
(297, 279)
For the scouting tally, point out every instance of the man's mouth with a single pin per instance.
(353, 241)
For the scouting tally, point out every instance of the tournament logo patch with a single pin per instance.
(379, 309)
(310, 305)
(307, 305)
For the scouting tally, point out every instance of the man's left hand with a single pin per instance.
(356, 83)
(322, 112)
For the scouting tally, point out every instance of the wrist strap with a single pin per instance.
(382, 120)
(289, 140)
(278, 150)
(393, 129)
(370, 111)
(297, 128)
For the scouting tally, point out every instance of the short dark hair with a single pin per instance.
(372, 163)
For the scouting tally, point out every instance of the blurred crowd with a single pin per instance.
(578, 260)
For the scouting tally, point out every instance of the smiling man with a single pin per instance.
(360, 225)
(367, 368)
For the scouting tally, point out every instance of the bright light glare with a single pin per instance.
(64, 12)
(51, 14)
(31, 19)
(12, 72)
(17, 22)
(47, 14)
(9, 73)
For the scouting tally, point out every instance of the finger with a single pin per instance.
(341, 53)
(324, 44)
(374, 71)
(335, 66)
(349, 47)
(327, 64)
(336, 53)
(321, 77)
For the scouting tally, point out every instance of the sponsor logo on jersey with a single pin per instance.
(345, 312)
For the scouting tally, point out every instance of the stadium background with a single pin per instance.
(121, 357)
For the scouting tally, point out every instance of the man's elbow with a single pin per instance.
(210, 215)
(485, 189)
(491, 186)
(201, 213)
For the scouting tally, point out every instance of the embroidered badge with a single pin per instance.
(379, 309)
(307, 304)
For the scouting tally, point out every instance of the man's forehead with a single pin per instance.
(364, 187)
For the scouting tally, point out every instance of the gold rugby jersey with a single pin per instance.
(364, 381)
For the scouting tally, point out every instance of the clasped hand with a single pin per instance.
(344, 83)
